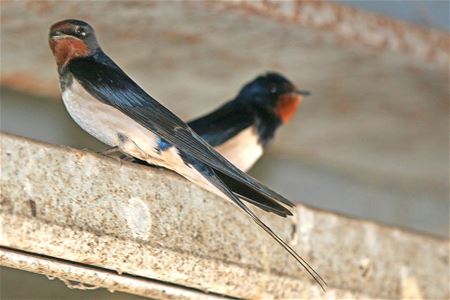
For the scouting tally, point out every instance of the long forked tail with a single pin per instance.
(214, 179)
(243, 192)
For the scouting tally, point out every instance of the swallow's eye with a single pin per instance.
(80, 32)
(273, 89)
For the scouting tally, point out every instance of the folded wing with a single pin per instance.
(111, 85)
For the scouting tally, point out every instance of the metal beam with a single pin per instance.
(91, 216)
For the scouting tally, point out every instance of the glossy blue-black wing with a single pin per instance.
(222, 124)
(105, 80)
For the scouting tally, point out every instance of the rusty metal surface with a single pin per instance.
(80, 207)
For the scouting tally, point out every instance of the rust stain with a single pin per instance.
(188, 37)
(233, 58)
(29, 83)
(41, 7)
(379, 32)
(127, 35)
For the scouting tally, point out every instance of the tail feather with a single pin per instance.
(246, 193)
(252, 196)
(234, 189)
(215, 179)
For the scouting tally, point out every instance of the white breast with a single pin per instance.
(243, 150)
(107, 124)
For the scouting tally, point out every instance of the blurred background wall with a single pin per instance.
(371, 142)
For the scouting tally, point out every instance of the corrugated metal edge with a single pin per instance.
(97, 277)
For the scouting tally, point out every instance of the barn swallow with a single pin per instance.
(242, 128)
(110, 106)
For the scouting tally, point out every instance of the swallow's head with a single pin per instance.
(273, 93)
(70, 39)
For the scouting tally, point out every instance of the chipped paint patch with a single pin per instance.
(137, 217)
(92, 170)
(365, 265)
(371, 238)
(28, 188)
(305, 226)
(410, 286)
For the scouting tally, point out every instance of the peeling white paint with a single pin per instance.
(409, 285)
(28, 188)
(305, 226)
(137, 216)
(370, 238)
(91, 169)
(365, 265)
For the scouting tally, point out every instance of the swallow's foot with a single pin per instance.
(120, 158)
(144, 163)
(109, 151)
(126, 157)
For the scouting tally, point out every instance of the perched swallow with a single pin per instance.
(110, 106)
(241, 129)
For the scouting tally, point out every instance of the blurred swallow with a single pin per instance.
(241, 129)
(110, 106)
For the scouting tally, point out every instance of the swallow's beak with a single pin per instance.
(303, 92)
(59, 30)
(56, 35)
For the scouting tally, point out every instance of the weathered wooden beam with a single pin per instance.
(104, 216)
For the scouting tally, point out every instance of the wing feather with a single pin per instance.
(104, 79)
